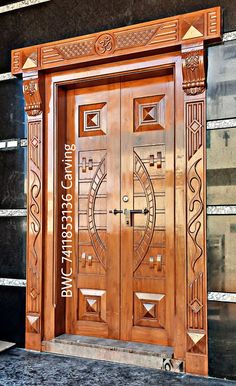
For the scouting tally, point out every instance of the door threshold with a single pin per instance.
(138, 354)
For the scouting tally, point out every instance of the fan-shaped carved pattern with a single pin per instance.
(98, 245)
(141, 173)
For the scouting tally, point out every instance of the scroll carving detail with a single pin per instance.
(195, 209)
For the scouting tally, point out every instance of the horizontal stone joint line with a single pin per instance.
(20, 4)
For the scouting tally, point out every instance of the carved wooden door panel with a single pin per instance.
(94, 123)
(147, 200)
(124, 197)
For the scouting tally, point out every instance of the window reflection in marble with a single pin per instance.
(221, 252)
(13, 179)
(221, 166)
(222, 339)
(221, 77)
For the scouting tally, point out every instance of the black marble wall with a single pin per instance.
(12, 321)
(53, 20)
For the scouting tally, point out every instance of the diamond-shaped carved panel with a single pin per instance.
(149, 113)
(35, 142)
(195, 126)
(149, 309)
(196, 306)
(92, 120)
(92, 305)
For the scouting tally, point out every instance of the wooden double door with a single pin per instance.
(124, 257)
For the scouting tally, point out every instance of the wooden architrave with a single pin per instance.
(33, 93)
(190, 32)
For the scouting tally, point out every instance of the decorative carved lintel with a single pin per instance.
(194, 81)
(173, 31)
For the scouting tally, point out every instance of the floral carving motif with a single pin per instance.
(30, 88)
(33, 102)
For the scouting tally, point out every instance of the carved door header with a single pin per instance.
(195, 27)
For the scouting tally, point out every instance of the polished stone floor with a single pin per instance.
(19, 368)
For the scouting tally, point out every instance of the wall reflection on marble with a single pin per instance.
(221, 166)
(222, 342)
(13, 179)
(13, 247)
(221, 249)
(221, 79)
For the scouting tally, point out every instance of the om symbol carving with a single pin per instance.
(104, 44)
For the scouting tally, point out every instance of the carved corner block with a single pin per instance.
(194, 79)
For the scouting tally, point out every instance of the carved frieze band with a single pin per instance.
(196, 272)
(33, 107)
(204, 25)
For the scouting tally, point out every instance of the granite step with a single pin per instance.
(138, 354)
(5, 345)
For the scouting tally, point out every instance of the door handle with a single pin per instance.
(129, 214)
(116, 211)
(137, 211)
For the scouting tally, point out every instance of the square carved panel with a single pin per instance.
(92, 305)
(92, 120)
(149, 113)
(149, 309)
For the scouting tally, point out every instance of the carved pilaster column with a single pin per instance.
(34, 110)
(195, 125)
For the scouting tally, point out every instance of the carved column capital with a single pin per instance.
(194, 81)
(31, 90)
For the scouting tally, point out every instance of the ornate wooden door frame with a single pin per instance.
(189, 33)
